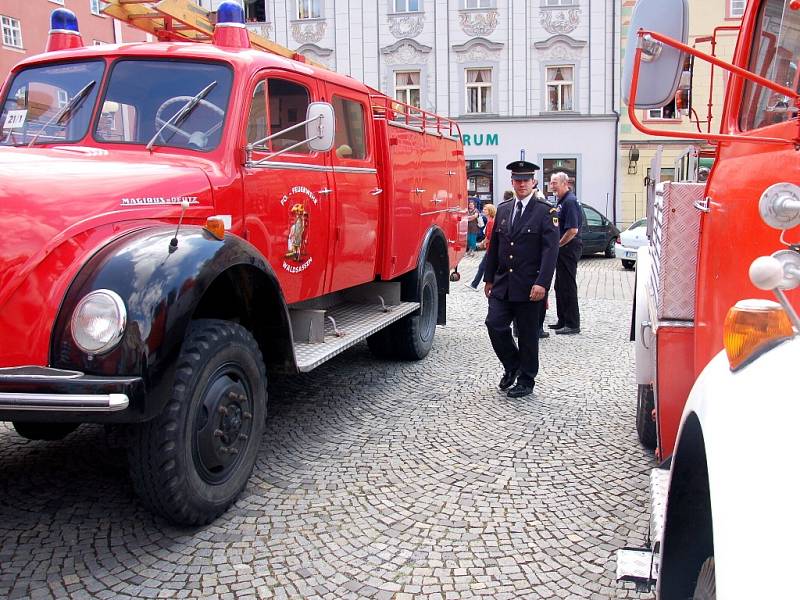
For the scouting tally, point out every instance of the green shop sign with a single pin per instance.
(480, 139)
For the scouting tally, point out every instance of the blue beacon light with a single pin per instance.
(62, 19)
(230, 13)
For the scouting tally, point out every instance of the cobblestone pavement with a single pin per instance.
(375, 480)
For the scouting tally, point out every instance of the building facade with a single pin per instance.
(532, 76)
(704, 17)
(24, 27)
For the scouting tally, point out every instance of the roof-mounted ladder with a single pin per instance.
(184, 21)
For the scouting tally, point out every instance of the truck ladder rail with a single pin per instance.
(185, 21)
(408, 116)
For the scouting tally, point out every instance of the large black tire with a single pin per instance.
(44, 431)
(645, 426)
(411, 338)
(706, 586)
(609, 251)
(629, 264)
(192, 461)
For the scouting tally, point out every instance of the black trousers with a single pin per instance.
(566, 285)
(524, 358)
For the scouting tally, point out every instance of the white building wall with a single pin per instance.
(517, 39)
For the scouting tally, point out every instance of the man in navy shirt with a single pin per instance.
(569, 251)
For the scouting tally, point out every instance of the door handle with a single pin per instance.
(376, 192)
(702, 205)
(437, 200)
(419, 191)
(451, 173)
(324, 191)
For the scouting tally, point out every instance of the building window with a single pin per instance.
(479, 3)
(666, 112)
(95, 6)
(406, 87)
(12, 32)
(559, 2)
(403, 6)
(479, 90)
(560, 84)
(736, 8)
(309, 9)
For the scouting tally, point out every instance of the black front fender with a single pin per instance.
(161, 289)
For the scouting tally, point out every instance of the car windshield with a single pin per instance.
(50, 104)
(639, 223)
(143, 98)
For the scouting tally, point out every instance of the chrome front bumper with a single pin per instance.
(62, 402)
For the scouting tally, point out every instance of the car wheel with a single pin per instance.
(609, 251)
(628, 264)
(706, 586)
(411, 338)
(191, 462)
(645, 426)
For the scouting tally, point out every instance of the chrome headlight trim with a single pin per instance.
(115, 330)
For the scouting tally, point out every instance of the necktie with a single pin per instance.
(517, 214)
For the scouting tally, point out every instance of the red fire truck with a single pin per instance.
(181, 217)
(715, 353)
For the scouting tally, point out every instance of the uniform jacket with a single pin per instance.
(515, 263)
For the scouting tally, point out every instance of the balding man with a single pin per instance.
(569, 251)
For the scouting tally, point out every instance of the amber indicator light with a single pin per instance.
(752, 326)
(216, 227)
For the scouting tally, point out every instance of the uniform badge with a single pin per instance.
(555, 216)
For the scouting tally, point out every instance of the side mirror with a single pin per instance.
(320, 126)
(661, 67)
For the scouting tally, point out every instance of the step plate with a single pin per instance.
(357, 321)
(638, 565)
(659, 488)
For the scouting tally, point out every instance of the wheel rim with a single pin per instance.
(427, 317)
(223, 424)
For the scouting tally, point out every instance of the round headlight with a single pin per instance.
(98, 321)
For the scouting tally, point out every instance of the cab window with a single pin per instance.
(278, 104)
(775, 55)
(350, 140)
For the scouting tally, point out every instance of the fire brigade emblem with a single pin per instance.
(298, 201)
(297, 233)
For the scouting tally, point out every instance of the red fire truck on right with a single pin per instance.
(715, 322)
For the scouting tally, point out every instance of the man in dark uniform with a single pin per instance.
(520, 263)
(570, 248)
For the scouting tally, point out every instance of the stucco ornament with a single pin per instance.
(561, 20)
(478, 23)
(560, 51)
(478, 54)
(406, 54)
(405, 26)
(262, 29)
(309, 33)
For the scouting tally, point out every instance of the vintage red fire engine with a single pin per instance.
(715, 353)
(182, 216)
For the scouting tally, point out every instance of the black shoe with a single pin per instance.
(543, 334)
(520, 390)
(568, 330)
(507, 380)
(555, 325)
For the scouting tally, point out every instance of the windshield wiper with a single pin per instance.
(59, 117)
(179, 116)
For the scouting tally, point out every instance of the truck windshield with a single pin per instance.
(42, 105)
(774, 55)
(143, 98)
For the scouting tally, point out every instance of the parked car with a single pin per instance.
(598, 233)
(629, 241)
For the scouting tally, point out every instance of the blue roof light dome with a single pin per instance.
(64, 20)
(230, 12)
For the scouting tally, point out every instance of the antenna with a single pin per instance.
(522, 154)
(173, 243)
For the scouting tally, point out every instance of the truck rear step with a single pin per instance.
(641, 565)
(345, 325)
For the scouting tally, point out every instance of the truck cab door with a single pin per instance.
(287, 197)
(357, 195)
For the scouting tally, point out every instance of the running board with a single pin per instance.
(346, 325)
(641, 565)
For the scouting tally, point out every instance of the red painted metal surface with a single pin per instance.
(674, 378)
(64, 203)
